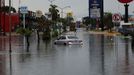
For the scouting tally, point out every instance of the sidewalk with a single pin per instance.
(7, 34)
(12, 34)
(106, 33)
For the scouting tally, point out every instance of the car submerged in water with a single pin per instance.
(68, 40)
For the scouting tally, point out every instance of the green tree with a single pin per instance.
(6, 9)
(86, 21)
(25, 32)
(64, 23)
(54, 12)
(108, 21)
(55, 18)
(43, 26)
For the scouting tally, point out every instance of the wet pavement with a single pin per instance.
(99, 55)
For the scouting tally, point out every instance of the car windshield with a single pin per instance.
(72, 37)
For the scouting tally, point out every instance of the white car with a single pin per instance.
(68, 40)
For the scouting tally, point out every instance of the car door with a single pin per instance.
(62, 40)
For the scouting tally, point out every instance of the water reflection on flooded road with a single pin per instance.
(111, 56)
(99, 55)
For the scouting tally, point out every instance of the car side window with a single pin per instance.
(62, 37)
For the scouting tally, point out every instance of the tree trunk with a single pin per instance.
(27, 40)
(38, 36)
(28, 43)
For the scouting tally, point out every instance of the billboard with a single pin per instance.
(94, 8)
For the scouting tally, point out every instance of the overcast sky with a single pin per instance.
(78, 7)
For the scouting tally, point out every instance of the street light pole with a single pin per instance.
(63, 9)
(10, 29)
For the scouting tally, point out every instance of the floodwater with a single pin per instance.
(99, 55)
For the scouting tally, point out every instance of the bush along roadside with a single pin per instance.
(25, 32)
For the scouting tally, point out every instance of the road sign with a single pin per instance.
(125, 1)
(23, 9)
(116, 17)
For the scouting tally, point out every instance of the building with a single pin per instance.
(4, 19)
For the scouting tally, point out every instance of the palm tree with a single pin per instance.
(55, 17)
(54, 12)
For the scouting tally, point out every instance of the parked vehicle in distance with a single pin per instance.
(126, 29)
(68, 40)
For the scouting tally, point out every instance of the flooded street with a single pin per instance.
(99, 55)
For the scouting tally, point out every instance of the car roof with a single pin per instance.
(69, 35)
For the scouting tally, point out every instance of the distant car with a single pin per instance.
(126, 29)
(68, 40)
